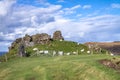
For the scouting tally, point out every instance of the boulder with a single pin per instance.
(57, 35)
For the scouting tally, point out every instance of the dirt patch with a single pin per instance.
(111, 63)
(31, 78)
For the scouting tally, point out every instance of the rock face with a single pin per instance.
(41, 38)
(28, 40)
(13, 45)
(21, 50)
(57, 35)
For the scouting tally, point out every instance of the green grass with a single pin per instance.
(73, 67)
(66, 46)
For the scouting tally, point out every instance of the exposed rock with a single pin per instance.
(21, 50)
(31, 40)
(57, 35)
(110, 64)
(27, 38)
(28, 44)
(13, 45)
(41, 38)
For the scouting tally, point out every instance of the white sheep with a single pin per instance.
(68, 53)
(82, 50)
(35, 49)
(41, 52)
(46, 52)
(61, 40)
(88, 52)
(60, 53)
(54, 53)
(111, 54)
(75, 53)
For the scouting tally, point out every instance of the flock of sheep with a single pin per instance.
(59, 53)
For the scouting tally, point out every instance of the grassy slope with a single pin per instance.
(73, 67)
(66, 46)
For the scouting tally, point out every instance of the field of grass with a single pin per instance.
(73, 67)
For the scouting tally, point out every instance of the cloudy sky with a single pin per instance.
(79, 20)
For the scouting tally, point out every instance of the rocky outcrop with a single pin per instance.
(41, 38)
(57, 35)
(13, 45)
(21, 50)
(28, 40)
(32, 40)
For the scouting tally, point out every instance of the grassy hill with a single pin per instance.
(73, 67)
(65, 46)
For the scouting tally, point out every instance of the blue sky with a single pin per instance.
(79, 20)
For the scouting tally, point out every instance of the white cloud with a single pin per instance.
(115, 5)
(68, 11)
(75, 7)
(87, 6)
(79, 15)
(5, 6)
